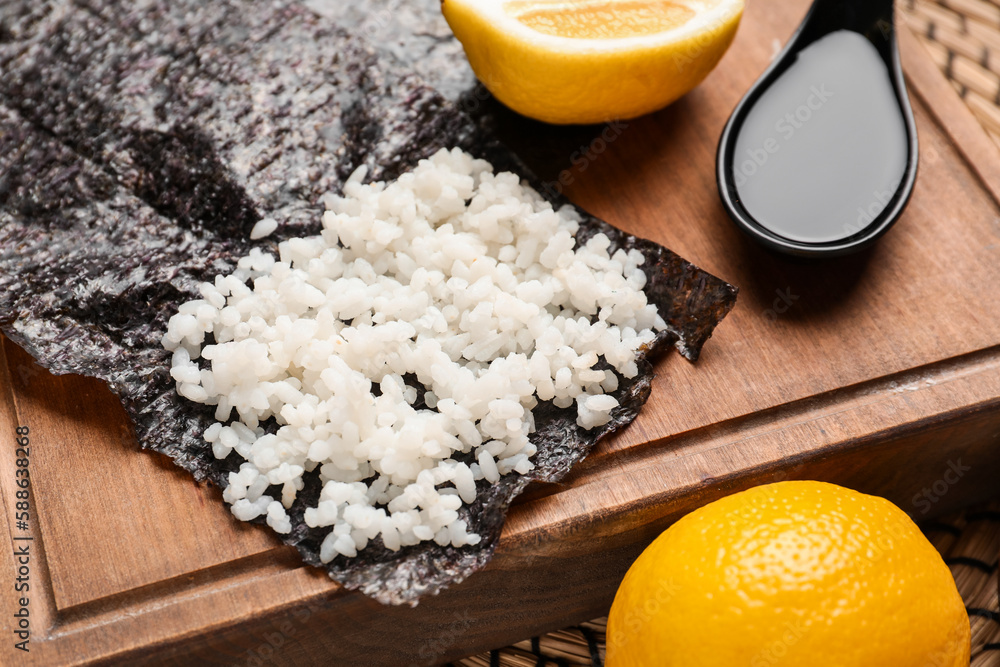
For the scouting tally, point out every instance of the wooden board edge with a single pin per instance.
(513, 598)
(941, 392)
(632, 514)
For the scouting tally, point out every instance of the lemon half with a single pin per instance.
(591, 61)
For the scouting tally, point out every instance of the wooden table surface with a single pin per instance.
(880, 371)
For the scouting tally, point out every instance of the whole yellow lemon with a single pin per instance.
(792, 573)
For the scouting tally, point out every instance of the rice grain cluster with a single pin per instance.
(400, 353)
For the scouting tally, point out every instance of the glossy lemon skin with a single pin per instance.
(582, 86)
(793, 573)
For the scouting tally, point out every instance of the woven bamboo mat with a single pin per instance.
(963, 37)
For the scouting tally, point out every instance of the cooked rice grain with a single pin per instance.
(401, 352)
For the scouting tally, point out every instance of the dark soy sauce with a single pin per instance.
(823, 150)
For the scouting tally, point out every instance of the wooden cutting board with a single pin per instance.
(879, 371)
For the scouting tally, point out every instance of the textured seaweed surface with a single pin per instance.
(140, 142)
(412, 33)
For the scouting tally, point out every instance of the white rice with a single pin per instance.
(464, 279)
(264, 228)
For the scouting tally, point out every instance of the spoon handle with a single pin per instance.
(873, 18)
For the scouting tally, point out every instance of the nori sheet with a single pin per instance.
(140, 142)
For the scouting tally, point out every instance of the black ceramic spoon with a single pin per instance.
(819, 158)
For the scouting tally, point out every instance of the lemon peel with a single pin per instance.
(793, 573)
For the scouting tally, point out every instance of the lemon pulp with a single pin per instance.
(600, 20)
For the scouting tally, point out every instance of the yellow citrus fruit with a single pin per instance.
(590, 61)
(793, 573)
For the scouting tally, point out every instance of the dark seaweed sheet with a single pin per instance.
(139, 143)
(412, 33)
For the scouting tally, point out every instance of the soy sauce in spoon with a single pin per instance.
(820, 156)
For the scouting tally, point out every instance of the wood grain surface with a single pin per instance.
(880, 371)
